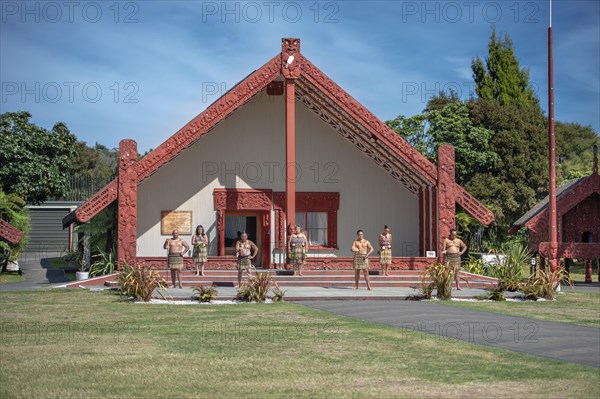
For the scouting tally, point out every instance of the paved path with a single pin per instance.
(580, 286)
(37, 272)
(571, 343)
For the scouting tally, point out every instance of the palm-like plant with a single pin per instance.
(543, 283)
(140, 282)
(256, 288)
(509, 269)
(106, 263)
(440, 278)
(206, 293)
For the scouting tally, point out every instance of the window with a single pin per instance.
(314, 225)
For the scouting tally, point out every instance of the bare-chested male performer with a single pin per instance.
(362, 249)
(453, 249)
(177, 247)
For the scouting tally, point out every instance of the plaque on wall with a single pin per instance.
(171, 220)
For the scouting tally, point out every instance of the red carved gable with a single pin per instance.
(323, 96)
(10, 233)
(369, 121)
(471, 205)
(187, 135)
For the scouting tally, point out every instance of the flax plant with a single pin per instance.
(206, 293)
(544, 283)
(509, 269)
(256, 287)
(440, 278)
(140, 282)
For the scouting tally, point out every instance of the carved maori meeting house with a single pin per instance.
(285, 146)
(578, 217)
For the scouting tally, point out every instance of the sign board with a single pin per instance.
(493, 260)
(171, 220)
(533, 261)
(430, 254)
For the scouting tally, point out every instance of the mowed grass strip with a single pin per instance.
(580, 308)
(81, 344)
(6, 278)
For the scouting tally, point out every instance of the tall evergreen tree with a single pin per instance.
(520, 178)
(501, 78)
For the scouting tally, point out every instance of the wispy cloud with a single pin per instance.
(180, 56)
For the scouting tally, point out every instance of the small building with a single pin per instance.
(285, 146)
(46, 237)
(578, 217)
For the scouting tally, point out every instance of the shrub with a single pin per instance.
(206, 293)
(106, 263)
(139, 282)
(441, 279)
(496, 294)
(543, 284)
(255, 288)
(278, 294)
(474, 265)
(509, 269)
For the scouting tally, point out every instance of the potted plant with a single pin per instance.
(83, 273)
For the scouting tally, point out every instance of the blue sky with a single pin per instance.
(141, 70)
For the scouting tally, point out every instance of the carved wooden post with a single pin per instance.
(266, 239)
(446, 195)
(127, 195)
(290, 69)
(221, 230)
(588, 270)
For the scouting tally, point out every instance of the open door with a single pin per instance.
(237, 222)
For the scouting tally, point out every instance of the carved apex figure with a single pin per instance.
(290, 58)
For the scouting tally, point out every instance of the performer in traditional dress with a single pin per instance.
(177, 247)
(200, 253)
(362, 249)
(297, 250)
(245, 251)
(453, 249)
(291, 229)
(385, 250)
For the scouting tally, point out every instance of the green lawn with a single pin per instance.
(59, 263)
(81, 344)
(569, 307)
(577, 271)
(7, 278)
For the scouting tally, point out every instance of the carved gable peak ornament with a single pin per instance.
(290, 58)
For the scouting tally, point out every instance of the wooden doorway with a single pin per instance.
(237, 222)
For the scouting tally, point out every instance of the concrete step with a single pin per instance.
(326, 278)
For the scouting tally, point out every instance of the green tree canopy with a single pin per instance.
(501, 78)
(520, 177)
(574, 150)
(473, 152)
(446, 121)
(500, 137)
(34, 160)
(98, 161)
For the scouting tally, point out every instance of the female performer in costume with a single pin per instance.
(385, 250)
(297, 249)
(200, 254)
